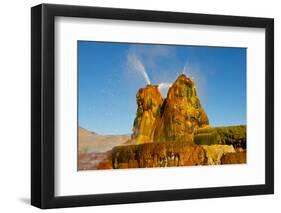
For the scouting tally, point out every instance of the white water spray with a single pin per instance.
(184, 71)
(163, 88)
(137, 65)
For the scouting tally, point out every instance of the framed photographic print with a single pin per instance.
(140, 106)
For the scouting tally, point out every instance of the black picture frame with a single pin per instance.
(43, 110)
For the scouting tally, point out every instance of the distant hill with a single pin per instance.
(89, 142)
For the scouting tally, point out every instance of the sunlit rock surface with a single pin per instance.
(214, 153)
(174, 119)
(181, 113)
(158, 155)
(149, 102)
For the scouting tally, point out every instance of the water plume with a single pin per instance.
(163, 88)
(136, 64)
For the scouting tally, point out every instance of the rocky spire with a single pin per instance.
(149, 103)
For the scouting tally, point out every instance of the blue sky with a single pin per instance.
(110, 74)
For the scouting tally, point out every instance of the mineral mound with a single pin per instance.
(175, 131)
(174, 119)
(181, 113)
